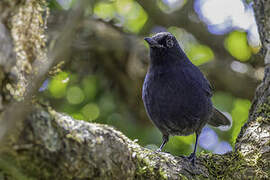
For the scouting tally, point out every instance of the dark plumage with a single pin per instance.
(176, 95)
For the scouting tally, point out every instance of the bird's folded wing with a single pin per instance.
(195, 76)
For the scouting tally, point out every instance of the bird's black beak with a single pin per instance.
(152, 43)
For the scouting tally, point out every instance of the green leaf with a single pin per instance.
(223, 101)
(134, 15)
(200, 54)
(53, 4)
(237, 45)
(90, 111)
(58, 85)
(239, 116)
(75, 95)
(104, 10)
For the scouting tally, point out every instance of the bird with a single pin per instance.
(175, 93)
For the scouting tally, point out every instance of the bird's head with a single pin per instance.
(161, 41)
(163, 45)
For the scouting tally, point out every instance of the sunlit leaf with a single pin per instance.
(104, 10)
(200, 54)
(181, 144)
(185, 39)
(176, 31)
(90, 111)
(78, 116)
(237, 45)
(134, 15)
(187, 139)
(169, 6)
(58, 85)
(53, 4)
(239, 116)
(67, 108)
(223, 101)
(89, 85)
(75, 95)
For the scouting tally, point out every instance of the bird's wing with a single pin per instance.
(199, 80)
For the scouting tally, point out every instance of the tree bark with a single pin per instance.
(50, 145)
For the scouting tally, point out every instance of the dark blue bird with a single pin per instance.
(176, 95)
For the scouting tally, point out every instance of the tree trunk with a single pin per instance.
(39, 143)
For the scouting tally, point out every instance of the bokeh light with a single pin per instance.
(237, 45)
(239, 115)
(199, 54)
(90, 87)
(105, 10)
(223, 16)
(239, 67)
(65, 4)
(208, 138)
(75, 95)
(126, 13)
(58, 85)
(78, 116)
(222, 148)
(44, 85)
(90, 111)
(169, 6)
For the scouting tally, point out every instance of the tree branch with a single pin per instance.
(77, 149)
(55, 146)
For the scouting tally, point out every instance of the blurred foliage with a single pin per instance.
(105, 10)
(237, 45)
(127, 13)
(200, 54)
(223, 101)
(197, 53)
(239, 116)
(170, 6)
(58, 85)
(90, 96)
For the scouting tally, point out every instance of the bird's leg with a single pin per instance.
(165, 140)
(192, 156)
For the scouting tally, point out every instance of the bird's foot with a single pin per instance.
(158, 150)
(192, 158)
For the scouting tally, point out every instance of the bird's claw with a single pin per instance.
(158, 150)
(192, 158)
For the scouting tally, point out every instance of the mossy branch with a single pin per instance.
(55, 146)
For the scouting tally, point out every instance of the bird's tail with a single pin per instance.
(219, 119)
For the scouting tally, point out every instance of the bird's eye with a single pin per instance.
(169, 42)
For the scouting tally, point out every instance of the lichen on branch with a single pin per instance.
(28, 24)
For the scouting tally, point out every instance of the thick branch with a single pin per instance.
(58, 147)
(254, 139)
(55, 146)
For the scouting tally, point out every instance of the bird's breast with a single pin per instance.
(172, 101)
